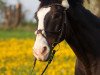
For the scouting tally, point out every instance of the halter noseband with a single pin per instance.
(55, 42)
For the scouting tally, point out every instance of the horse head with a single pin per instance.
(51, 29)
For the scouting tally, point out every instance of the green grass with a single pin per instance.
(23, 31)
(6, 34)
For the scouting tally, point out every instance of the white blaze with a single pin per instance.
(40, 40)
(41, 15)
(65, 4)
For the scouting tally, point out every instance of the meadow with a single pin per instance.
(16, 56)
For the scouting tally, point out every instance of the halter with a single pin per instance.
(55, 42)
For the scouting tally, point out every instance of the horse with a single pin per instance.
(69, 20)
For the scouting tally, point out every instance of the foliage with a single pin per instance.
(2, 4)
(7, 34)
(26, 30)
(16, 58)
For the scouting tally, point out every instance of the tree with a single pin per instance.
(2, 4)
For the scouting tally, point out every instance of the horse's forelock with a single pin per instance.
(49, 2)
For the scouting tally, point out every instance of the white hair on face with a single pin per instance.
(40, 40)
(65, 4)
(41, 15)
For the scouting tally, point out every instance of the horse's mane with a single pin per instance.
(75, 2)
(48, 2)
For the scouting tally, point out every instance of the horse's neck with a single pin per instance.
(79, 12)
(75, 2)
(84, 31)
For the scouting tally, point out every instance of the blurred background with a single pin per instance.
(15, 13)
(17, 26)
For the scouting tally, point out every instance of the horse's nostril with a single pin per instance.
(44, 50)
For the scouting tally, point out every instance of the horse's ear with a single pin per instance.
(65, 4)
(42, 0)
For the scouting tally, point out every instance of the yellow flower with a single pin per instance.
(17, 59)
